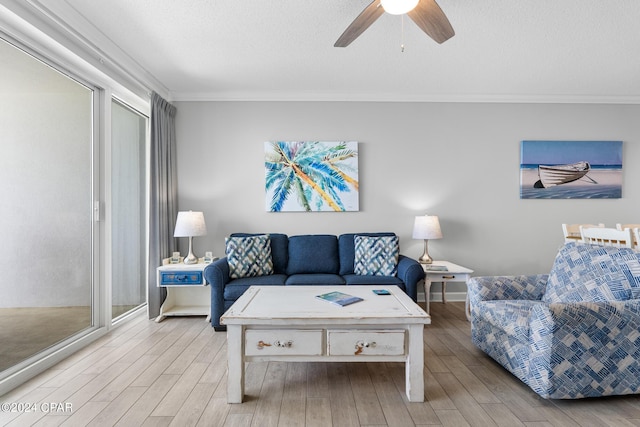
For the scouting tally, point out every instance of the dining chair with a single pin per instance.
(607, 236)
(631, 226)
(571, 232)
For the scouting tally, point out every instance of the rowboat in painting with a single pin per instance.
(561, 174)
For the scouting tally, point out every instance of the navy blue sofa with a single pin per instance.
(306, 260)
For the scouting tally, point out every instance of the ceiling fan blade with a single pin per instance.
(432, 20)
(367, 17)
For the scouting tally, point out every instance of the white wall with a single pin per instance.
(459, 161)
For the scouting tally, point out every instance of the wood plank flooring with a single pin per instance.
(174, 374)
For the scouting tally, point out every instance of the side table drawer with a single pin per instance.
(443, 277)
(282, 342)
(177, 278)
(365, 342)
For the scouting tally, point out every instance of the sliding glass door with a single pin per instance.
(46, 209)
(128, 208)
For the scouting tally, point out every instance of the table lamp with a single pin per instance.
(426, 227)
(190, 224)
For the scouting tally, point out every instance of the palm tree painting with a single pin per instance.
(311, 176)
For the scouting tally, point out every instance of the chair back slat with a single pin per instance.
(632, 227)
(572, 231)
(607, 236)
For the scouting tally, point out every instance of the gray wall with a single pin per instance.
(459, 161)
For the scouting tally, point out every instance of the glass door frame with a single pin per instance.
(104, 90)
(108, 307)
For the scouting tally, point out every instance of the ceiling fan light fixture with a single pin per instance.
(398, 7)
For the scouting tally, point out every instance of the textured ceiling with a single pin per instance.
(504, 50)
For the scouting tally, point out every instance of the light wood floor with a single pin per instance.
(174, 373)
(27, 331)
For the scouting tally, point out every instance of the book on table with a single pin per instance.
(436, 268)
(339, 298)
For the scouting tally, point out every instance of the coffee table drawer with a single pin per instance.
(283, 342)
(365, 342)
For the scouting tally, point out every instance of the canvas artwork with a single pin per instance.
(311, 176)
(571, 170)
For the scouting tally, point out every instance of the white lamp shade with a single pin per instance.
(190, 224)
(427, 227)
(398, 7)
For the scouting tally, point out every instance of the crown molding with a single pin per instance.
(375, 97)
(32, 23)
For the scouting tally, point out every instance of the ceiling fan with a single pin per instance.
(425, 13)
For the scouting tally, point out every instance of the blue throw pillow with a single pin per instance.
(249, 256)
(376, 256)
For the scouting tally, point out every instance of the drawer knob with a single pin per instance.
(278, 343)
(361, 345)
(262, 344)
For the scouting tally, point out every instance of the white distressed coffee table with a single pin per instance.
(288, 323)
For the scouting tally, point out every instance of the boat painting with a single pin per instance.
(570, 169)
(551, 175)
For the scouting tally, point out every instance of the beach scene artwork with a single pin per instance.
(311, 176)
(571, 170)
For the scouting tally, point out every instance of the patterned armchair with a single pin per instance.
(570, 334)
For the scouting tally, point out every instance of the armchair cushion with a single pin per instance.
(511, 316)
(584, 272)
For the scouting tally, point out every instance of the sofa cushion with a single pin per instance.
(310, 254)
(234, 289)
(249, 256)
(358, 279)
(346, 243)
(583, 272)
(314, 279)
(279, 249)
(376, 256)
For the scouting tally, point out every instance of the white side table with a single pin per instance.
(188, 293)
(435, 273)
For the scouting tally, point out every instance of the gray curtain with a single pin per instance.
(163, 206)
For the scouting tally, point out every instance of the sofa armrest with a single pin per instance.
(593, 347)
(487, 288)
(411, 273)
(217, 275)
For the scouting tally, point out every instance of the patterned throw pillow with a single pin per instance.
(376, 256)
(249, 256)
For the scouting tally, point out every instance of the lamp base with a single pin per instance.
(190, 258)
(425, 258)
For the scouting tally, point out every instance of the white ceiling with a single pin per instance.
(503, 50)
